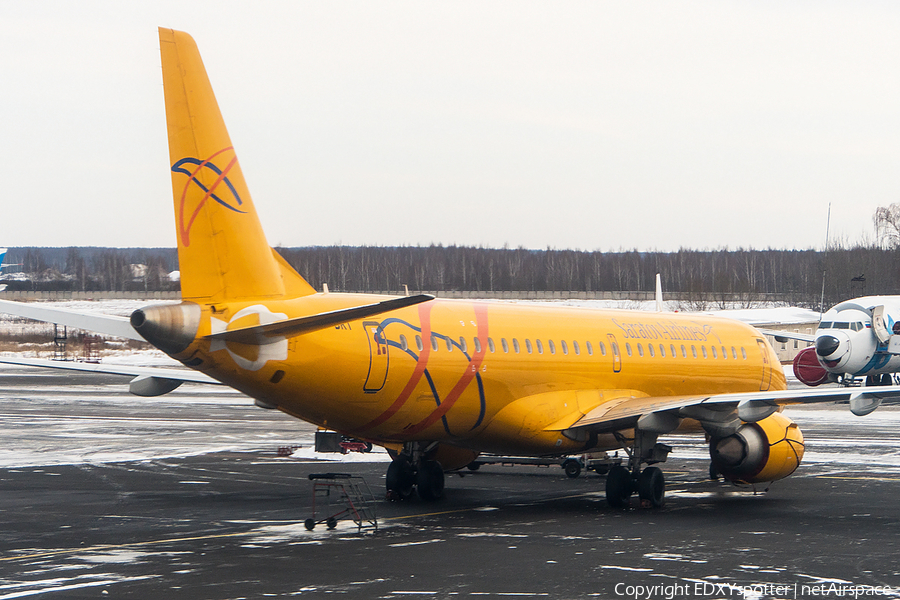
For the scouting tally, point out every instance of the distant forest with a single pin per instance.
(792, 275)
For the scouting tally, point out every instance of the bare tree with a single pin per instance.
(887, 225)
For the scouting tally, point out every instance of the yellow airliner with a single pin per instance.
(439, 381)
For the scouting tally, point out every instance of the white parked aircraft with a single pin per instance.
(856, 338)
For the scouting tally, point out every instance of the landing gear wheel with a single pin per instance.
(572, 468)
(310, 524)
(652, 487)
(619, 487)
(430, 480)
(400, 478)
(331, 523)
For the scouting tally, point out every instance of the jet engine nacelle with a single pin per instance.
(767, 450)
(808, 369)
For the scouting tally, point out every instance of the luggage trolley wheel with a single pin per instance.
(310, 524)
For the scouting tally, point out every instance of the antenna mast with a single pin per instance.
(825, 262)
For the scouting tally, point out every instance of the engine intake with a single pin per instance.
(767, 450)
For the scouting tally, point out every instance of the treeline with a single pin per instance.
(795, 275)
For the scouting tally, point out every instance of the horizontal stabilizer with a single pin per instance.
(259, 334)
(96, 323)
(182, 375)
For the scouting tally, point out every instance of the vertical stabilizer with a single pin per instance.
(222, 250)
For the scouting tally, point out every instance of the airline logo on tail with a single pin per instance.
(225, 195)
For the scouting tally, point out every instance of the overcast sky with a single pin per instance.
(589, 125)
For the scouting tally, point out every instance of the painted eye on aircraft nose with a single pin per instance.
(826, 345)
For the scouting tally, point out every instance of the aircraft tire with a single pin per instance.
(619, 487)
(400, 478)
(430, 480)
(652, 487)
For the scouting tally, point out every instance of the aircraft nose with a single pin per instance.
(826, 345)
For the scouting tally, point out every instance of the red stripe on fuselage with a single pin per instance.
(481, 322)
(421, 364)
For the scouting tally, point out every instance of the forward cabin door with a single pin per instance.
(616, 352)
(767, 366)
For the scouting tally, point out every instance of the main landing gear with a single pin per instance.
(412, 469)
(649, 483)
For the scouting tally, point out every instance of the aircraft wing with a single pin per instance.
(148, 381)
(788, 335)
(662, 414)
(105, 324)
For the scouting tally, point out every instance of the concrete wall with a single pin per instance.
(28, 296)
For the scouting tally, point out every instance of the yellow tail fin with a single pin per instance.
(222, 250)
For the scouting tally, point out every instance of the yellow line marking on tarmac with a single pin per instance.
(215, 536)
(128, 545)
(860, 478)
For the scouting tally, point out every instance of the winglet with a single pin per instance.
(660, 307)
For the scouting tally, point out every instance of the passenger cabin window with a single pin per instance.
(540, 346)
(516, 345)
(590, 348)
(662, 351)
(449, 344)
(419, 345)
(672, 351)
(703, 348)
(552, 347)
(477, 344)
(403, 344)
(602, 349)
(694, 350)
(733, 353)
(640, 350)
(575, 347)
(434, 342)
(650, 350)
(628, 348)
(724, 352)
(504, 344)
(565, 348)
(714, 352)
(683, 351)
(491, 345)
(463, 345)
(743, 353)
(528, 346)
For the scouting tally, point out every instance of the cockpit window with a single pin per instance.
(825, 325)
(841, 325)
(856, 326)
